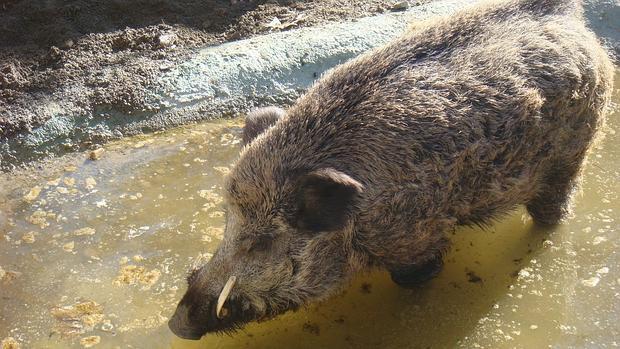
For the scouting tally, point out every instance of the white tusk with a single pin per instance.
(224, 295)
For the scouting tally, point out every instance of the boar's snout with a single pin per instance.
(181, 325)
(199, 313)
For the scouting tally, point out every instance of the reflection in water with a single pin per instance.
(94, 253)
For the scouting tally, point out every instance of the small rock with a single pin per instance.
(90, 183)
(2, 273)
(591, 282)
(222, 169)
(84, 231)
(68, 145)
(69, 182)
(167, 40)
(597, 240)
(28, 237)
(603, 270)
(165, 67)
(216, 214)
(90, 341)
(523, 274)
(32, 194)
(400, 6)
(68, 246)
(96, 154)
(274, 23)
(134, 233)
(54, 182)
(54, 53)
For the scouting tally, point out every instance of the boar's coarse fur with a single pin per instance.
(454, 123)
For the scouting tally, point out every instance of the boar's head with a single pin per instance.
(285, 243)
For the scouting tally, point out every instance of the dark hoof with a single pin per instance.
(416, 275)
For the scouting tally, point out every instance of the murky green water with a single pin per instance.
(97, 251)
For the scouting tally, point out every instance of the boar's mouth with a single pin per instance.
(232, 318)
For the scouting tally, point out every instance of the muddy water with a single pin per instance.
(94, 253)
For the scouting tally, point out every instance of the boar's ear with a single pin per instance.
(258, 120)
(325, 199)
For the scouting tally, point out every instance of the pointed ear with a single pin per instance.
(325, 200)
(259, 120)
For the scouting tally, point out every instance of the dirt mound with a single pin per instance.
(111, 51)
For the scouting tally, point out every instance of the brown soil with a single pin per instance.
(113, 49)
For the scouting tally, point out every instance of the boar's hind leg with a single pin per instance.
(415, 275)
(552, 202)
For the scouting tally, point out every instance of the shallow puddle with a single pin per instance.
(94, 253)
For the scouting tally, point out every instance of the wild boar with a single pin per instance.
(454, 123)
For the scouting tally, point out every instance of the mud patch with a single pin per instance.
(78, 318)
(133, 275)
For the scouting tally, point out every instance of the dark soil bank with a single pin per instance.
(113, 49)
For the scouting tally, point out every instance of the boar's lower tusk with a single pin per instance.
(224, 295)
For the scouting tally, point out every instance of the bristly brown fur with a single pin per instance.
(454, 123)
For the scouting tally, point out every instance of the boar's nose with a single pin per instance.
(199, 313)
(180, 325)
